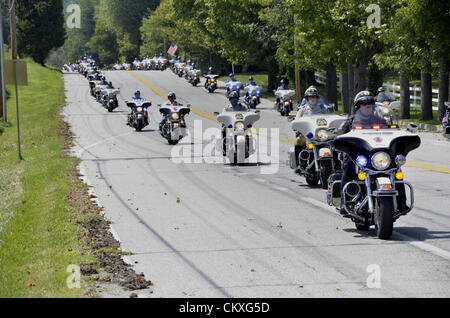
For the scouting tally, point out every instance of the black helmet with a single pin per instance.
(250, 78)
(137, 93)
(233, 95)
(312, 92)
(363, 96)
(283, 82)
(381, 90)
(172, 97)
(231, 75)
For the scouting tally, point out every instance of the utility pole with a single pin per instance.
(12, 17)
(3, 111)
(297, 68)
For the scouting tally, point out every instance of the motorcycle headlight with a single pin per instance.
(239, 126)
(386, 111)
(381, 161)
(323, 135)
(139, 109)
(175, 116)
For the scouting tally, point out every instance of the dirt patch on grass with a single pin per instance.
(111, 267)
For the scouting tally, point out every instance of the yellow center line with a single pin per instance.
(291, 141)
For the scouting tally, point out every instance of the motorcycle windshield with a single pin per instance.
(368, 142)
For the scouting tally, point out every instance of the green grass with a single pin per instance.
(415, 118)
(39, 235)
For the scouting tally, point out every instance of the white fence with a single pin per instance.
(391, 88)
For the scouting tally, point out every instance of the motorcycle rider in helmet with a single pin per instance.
(382, 96)
(305, 101)
(284, 86)
(210, 71)
(232, 79)
(236, 106)
(313, 105)
(136, 98)
(365, 116)
(172, 102)
(251, 82)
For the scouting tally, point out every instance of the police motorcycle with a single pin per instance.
(211, 82)
(138, 65)
(194, 77)
(446, 121)
(238, 142)
(117, 67)
(179, 67)
(314, 157)
(187, 71)
(138, 119)
(173, 128)
(378, 152)
(162, 63)
(94, 81)
(98, 89)
(109, 98)
(285, 98)
(252, 97)
(126, 66)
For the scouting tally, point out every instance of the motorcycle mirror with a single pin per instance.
(216, 114)
(188, 105)
(257, 111)
(159, 105)
(412, 128)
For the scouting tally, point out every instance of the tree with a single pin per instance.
(77, 38)
(40, 28)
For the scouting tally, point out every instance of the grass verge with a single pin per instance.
(39, 226)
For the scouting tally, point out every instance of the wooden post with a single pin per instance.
(12, 17)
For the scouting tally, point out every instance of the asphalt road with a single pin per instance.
(204, 229)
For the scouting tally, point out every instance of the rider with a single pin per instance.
(210, 71)
(232, 79)
(365, 116)
(251, 82)
(313, 105)
(382, 96)
(172, 102)
(305, 101)
(284, 86)
(136, 98)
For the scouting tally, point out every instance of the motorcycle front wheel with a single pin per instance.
(325, 173)
(384, 222)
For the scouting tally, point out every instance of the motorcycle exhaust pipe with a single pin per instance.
(352, 189)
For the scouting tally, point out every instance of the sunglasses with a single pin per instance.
(366, 104)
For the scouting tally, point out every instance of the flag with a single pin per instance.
(173, 49)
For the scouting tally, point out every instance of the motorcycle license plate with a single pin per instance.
(176, 125)
(240, 139)
(384, 183)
